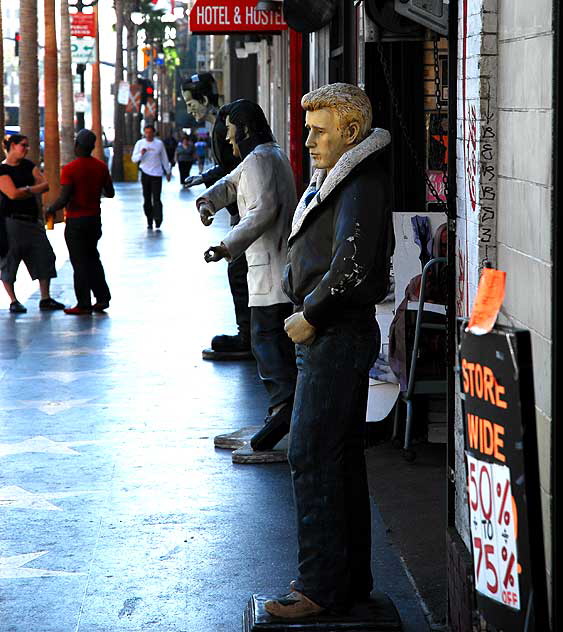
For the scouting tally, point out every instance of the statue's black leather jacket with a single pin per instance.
(342, 238)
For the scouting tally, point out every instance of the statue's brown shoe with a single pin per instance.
(293, 606)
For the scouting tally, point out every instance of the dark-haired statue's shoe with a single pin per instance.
(275, 428)
(295, 605)
(225, 347)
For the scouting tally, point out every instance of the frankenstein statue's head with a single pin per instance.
(200, 94)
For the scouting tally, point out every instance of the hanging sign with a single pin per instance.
(80, 102)
(233, 16)
(503, 478)
(150, 109)
(123, 93)
(82, 50)
(82, 25)
(134, 101)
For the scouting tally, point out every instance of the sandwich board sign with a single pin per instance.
(503, 483)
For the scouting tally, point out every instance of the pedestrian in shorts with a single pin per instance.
(21, 184)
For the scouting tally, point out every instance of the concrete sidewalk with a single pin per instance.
(116, 511)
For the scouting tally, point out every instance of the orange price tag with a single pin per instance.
(490, 295)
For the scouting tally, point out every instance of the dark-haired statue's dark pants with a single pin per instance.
(274, 352)
(82, 235)
(326, 455)
(237, 271)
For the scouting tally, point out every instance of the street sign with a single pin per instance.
(79, 102)
(123, 93)
(134, 102)
(503, 478)
(82, 49)
(82, 25)
(234, 16)
(150, 109)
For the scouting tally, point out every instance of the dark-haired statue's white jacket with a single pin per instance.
(263, 187)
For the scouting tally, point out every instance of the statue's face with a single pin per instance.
(326, 141)
(197, 108)
(231, 138)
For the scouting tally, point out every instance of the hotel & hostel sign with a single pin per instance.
(234, 16)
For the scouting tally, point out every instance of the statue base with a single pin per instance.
(377, 614)
(237, 439)
(247, 456)
(225, 356)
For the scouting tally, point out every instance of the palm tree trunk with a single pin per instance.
(96, 95)
(119, 110)
(29, 77)
(2, 117)
(131, 117)
(66, 88)
(52, 147)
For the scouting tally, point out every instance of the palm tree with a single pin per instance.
(66, 88)
(29, 77)
(52, 147)
(2, 117)
(119, 110)
(96, 94)
(131, 117)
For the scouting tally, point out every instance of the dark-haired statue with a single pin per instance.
(200, 95)
(264, 188)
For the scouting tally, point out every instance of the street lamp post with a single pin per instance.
(79, 6)
(80, 117)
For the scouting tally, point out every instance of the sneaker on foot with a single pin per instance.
(157, 223)
(17, 308)
(293, 606)
(100, 306)
(78, 311)
(49, 304)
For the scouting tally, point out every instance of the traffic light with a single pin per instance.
(17, 39)
(147, 89)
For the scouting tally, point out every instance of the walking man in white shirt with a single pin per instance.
(153, 161)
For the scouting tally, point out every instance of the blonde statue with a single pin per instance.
(338, 269)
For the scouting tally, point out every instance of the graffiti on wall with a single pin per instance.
(479, 144)
(488, 187)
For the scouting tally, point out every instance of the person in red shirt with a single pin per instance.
(83, 182)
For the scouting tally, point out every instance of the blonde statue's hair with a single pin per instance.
(350, 104)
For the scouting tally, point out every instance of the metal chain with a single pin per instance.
(402, 124)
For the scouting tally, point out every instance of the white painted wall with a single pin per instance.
(477, 181)
(525, 63)
(505, 74)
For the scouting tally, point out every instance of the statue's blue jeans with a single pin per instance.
(326, 455)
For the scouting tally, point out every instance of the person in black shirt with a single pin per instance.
(20, 184)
